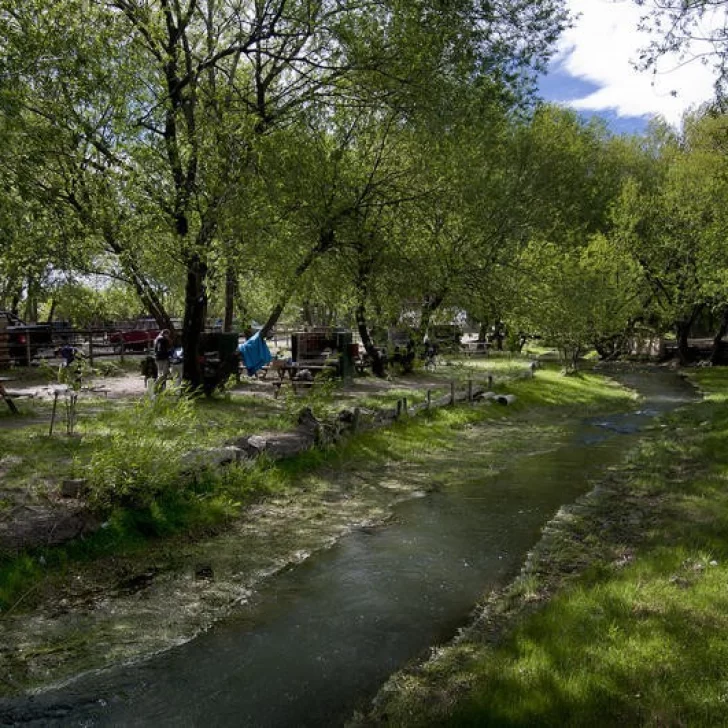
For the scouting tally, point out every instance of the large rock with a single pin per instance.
(213, 457)
(277, 445)
(29, 527)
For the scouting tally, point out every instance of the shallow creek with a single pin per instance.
(315, 642)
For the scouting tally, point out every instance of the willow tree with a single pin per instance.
(157, 105)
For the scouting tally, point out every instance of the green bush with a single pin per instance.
(140, 456)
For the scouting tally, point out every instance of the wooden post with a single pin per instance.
(27, 345)
(399, 408)
(404, 406)
(429, 398)
(355, 423)
(53, 412)
(452, 391)
(90, 347)
(470, 390)
(490, 381)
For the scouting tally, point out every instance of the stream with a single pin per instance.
(319, 639)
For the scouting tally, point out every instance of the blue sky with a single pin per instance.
(593, 70)
(559, 86)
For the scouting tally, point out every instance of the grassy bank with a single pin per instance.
(142, 567)
(620, 616)
(130, 455)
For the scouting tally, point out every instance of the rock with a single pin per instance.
(307, 419)
(204, 571)
(213, 457)
(252, 446)
(288, 444)
(29, 527)
(278, 445)
(346, 416)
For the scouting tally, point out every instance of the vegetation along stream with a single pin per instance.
(316, 642)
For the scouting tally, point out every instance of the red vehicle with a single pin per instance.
(139, 337)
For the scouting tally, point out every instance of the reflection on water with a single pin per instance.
(323, 636)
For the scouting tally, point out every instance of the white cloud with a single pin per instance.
(601, 49)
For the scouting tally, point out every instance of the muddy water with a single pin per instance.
(319, 639)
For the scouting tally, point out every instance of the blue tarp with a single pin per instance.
(255, 353)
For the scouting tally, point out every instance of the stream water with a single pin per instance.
(317, 642)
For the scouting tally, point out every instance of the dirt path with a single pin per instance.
(131, 385)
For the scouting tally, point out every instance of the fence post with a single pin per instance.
(399, 408)
(404, 406)
(490, 381)
(91, 347)
(470, 390)
(452, 391)
(429, 398)
(355, 423)
(53, 412)
(27, 345)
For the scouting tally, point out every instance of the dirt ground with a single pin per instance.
(131, 385)
(49, 515)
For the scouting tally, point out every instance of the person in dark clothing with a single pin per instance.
(162, 354)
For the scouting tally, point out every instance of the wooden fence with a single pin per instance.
(36, 344)
(41, 343)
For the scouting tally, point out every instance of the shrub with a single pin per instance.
(141, 455)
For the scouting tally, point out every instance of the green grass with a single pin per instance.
(550, 387)
(621, 617)
(131, 457)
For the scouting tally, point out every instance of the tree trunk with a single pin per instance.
(361, 324)
(364, 272)
(231, 286)
(498, 335)
(718, 338)
(429, 306)
(683, 328)
(147, 295)
(194, 319)
(275, 314)
(682, 332)
(326, 242)
(52, 310)
(307, 313)
(150, 301)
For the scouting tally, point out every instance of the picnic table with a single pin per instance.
(291, 369)
(4, 394)
(469, 348)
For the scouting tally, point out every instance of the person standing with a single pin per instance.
(162, 354)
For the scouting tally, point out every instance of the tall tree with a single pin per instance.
(156, 105)
(695, 30)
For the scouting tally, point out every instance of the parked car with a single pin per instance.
(140, 337)
(25, 339)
